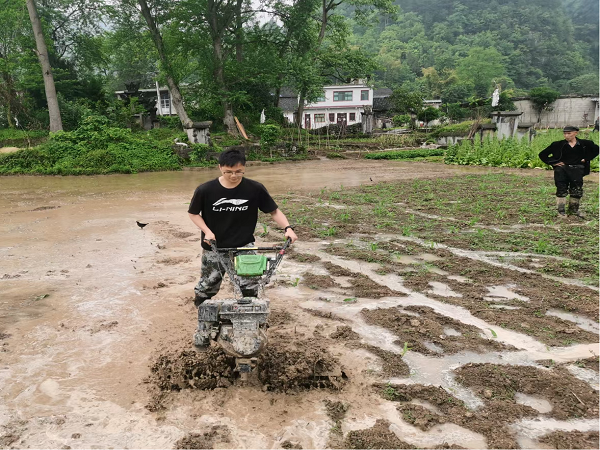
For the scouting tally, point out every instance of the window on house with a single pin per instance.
(319, 118)
(364, 95)
(352, 117)
(332, 117)
(321, 97)
(342, 96)
(165, 101)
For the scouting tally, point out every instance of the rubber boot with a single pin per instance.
(560, 206)
(574, 207)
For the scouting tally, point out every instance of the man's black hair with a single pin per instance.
(232, 157)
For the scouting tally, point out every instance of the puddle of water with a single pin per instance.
(540, 404)
(434, 348)
(451, 332)
(588, 375)
(582, 322)
(441, 289)
(504, 293)
(406, 259)
(533, 429)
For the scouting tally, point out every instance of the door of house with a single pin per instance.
(342, 118)
(307, 121)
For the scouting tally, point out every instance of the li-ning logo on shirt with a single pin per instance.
(234, 201)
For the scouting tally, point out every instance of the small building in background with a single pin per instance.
(340, 104)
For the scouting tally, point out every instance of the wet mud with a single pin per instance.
(421, 330)
(378, 436)
(571, 440)
(378, 337)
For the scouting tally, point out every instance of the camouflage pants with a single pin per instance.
(212, 272)
(569, 180)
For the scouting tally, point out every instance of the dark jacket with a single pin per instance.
(553, 153)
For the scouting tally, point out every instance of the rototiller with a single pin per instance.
(239, 324)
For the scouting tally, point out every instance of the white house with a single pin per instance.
(339, 104)
(164, 105)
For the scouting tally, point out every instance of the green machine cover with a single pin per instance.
(250, 265)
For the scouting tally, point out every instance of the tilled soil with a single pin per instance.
(572, 439)
(395, 343)
(425, 326)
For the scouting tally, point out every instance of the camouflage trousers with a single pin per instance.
(211, 276)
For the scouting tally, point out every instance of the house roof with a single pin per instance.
(287, 92)
(381, 104)
(288, 103)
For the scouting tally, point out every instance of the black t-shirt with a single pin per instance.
(231, 214)
(572, 155)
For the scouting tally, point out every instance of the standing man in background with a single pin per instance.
(570, 159)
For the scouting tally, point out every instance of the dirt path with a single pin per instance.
(89, 301)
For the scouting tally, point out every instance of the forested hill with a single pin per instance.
(459, 48)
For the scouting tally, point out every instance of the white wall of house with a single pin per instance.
(577, 111)
(340, 103)
(164, 105)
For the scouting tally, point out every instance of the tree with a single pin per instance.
(42, 53)
(405, 101)
(481, 67)
(166, 65)
(542, 99)
(428, 114)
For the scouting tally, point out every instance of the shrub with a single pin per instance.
(401, 119)
(95, 147)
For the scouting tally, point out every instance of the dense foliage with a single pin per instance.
(457, 49)
(93, 148)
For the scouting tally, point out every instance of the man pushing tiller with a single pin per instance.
(226, 210)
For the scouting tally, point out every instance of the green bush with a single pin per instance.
(400, 120)
(269, 135)
(199, 152)
(93, 148)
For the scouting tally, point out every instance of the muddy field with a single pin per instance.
(425, 306)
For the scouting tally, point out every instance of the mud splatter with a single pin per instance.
(318, 281)
(188, 369)
(344, 332)
(302, 257)
(206, 440)
(173, 261)
(289, 363)
(392, 363)
(378, 436)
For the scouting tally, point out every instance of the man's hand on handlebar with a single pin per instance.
(289, 233)
(210, 236)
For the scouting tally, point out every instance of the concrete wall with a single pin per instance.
(577, 111)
